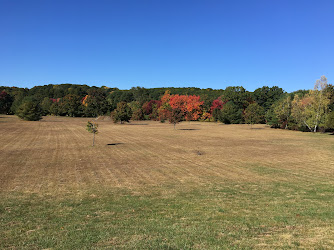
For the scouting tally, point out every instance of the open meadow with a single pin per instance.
(146, 185)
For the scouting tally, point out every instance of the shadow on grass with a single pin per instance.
(188, 129)
(114, 144)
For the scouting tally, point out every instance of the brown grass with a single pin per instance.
(55, 154)
(146, 185)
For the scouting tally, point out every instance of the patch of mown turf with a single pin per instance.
(230, 215)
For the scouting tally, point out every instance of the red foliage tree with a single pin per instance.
(178, 102)
(217, 104)
(151, 109)
(190, 107)
(194, 108)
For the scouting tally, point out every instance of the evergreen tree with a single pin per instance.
(29, 111)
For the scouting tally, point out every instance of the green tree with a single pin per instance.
(216, 113)
(271, 118)
(267, 96)
(238, 96)
(55, 108)
(230, 114)
(46, 105)
(19, 96)
(137, 111)
(330, 121)
(71, 105)
(282, 111)
(122, 113)
(92, 128)
(29, 111)
(329, 91)
(140, 94)
(5, 102)
(254, 113)
(96, 103)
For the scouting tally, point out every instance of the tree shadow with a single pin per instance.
(188, 129)
(114, 144)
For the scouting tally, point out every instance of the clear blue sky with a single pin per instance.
(156, 43)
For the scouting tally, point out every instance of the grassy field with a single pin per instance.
(146, 185)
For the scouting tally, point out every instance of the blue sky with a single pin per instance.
(156, 43)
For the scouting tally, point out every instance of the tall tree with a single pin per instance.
(282, 111)
(312, 109)
(266, 96)
(46, 105)
(122, 113)
(216, 108)
(137, 111)
(5, 102)
(230, 113)
(165, 107)
(151, 108)
(238, 95)
(71, 105)
(95, 103)
(254, 113)
(193, 107)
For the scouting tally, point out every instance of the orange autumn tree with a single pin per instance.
(165, 109)
(189, 107)
(194, 108)
(84, 100)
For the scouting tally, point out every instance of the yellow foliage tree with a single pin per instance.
(312, 109)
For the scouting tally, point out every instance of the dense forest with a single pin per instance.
(305, 110)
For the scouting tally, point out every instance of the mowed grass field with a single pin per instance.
(146, 185)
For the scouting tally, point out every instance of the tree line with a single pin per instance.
(301, 110)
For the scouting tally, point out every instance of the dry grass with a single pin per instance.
(55, 154)
(249, 172)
